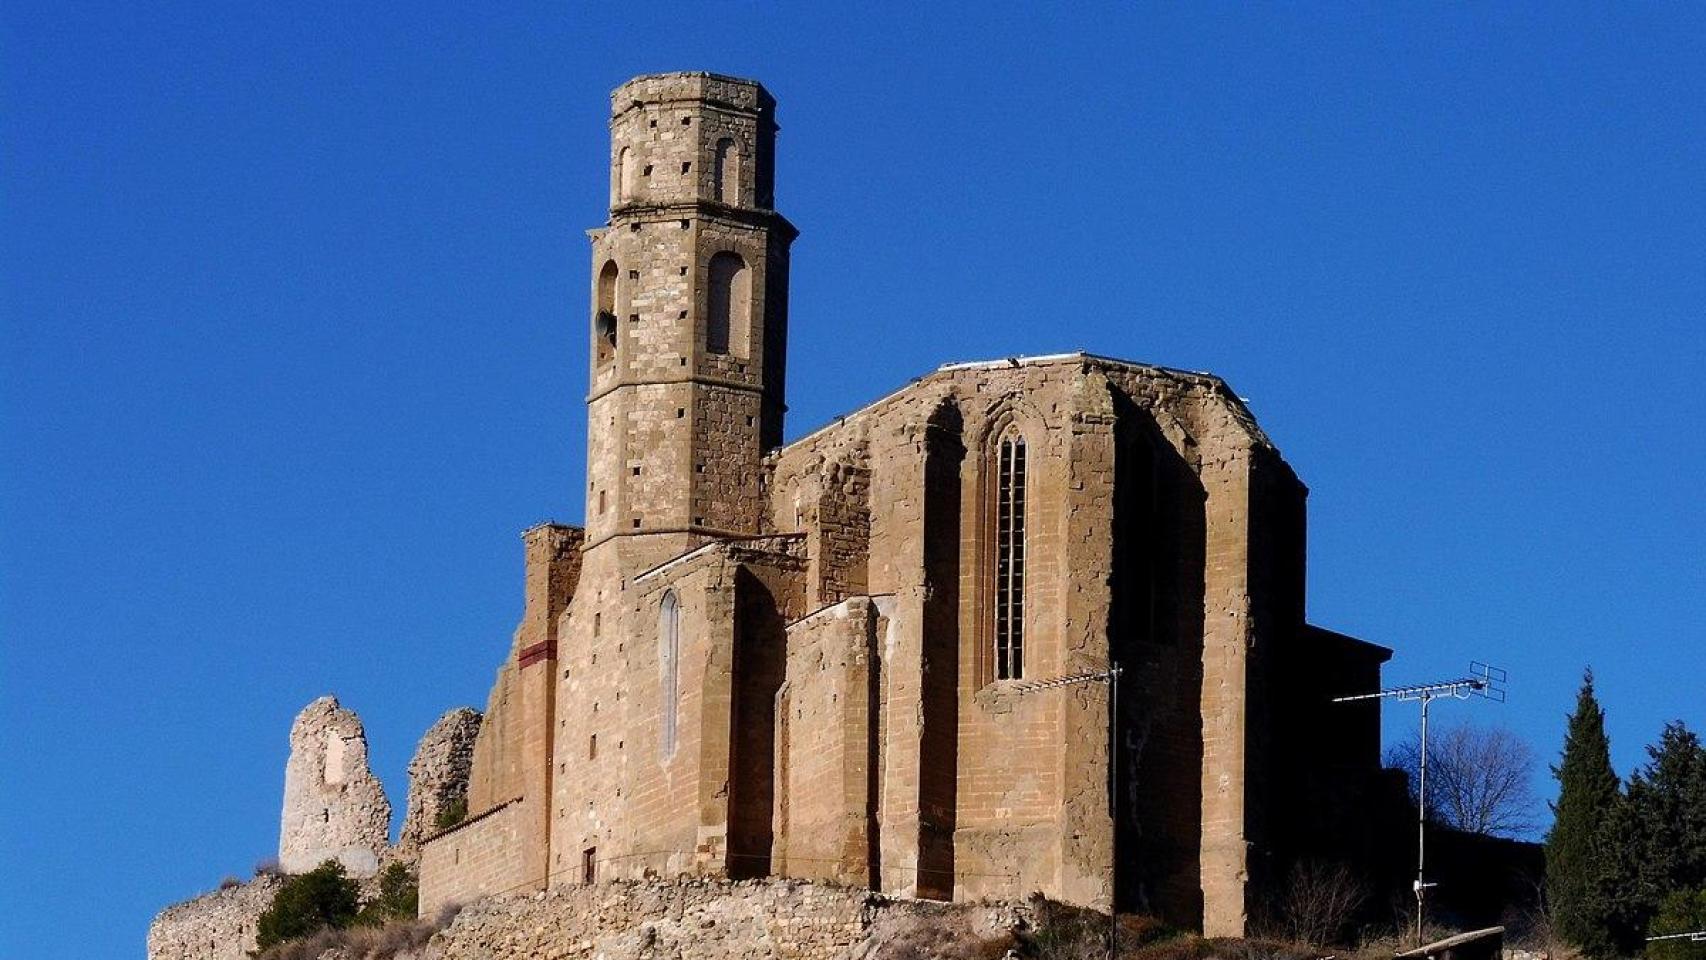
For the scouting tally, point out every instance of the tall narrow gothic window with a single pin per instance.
(669, 671)
(725, 173)
(1010, 559)
(727, 320)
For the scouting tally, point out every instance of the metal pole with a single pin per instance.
(1422, 821)
(1114, 810)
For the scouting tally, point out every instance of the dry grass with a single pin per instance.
(907, 936)
(1070, 933)
(358, 943)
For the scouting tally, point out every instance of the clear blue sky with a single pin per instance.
(293, 338)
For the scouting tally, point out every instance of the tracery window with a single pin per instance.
(1010, 559)
(669, 671)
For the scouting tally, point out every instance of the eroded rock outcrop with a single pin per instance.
(438, 776)
(334, 807)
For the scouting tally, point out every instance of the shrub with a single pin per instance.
(1316, 905)
(230, 883)
(452, 813)
(399, 897)
(317, 900)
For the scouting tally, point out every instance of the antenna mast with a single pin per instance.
(1483, 681)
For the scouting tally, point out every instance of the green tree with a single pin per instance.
(452, 813)
(1668, 795)
(1656, 845)
(1684, 911)
(321, 898)
(1588, 799)
(399, 897)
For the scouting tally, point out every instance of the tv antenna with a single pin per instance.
(1484, 681)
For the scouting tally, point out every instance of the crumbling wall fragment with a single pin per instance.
(214, 926)
(438, 776)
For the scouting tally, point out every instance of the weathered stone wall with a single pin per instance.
(480, 857)
(214, 926)
(438, 775)
(709, 920)
(334, 808)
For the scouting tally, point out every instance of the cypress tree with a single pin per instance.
(1588, 798)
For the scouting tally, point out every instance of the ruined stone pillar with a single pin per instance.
(334, 808)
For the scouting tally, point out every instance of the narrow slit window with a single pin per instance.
(1010, 560)
(669, 672)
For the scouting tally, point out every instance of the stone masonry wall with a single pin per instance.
(475, 859)
(334, 808)
(214, 926)
(438, 775)
(709, 920)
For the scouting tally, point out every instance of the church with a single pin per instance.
(1027, 625)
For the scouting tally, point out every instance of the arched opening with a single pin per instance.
(725, 173)
(623, 181)
(1009, 565)
(669, 672)
(728, 319)
(604, 316)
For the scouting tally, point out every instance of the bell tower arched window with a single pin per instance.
(729, 292)
(1009, 592)
(669, 672)
(604, 317)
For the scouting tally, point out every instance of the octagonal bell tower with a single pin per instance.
(689, 312)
